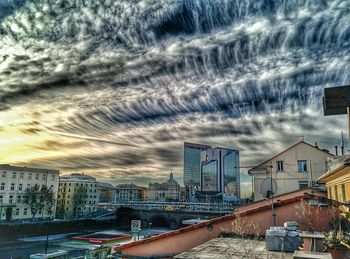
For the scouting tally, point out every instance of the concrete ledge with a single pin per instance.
(311, 255)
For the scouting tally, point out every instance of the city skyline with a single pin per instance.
(115, 89)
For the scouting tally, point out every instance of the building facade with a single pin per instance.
(128, 192)
(14, 180)
(78, 195)
(168, 191)
(105, 191)
(337, 181)
(192, 166)
(295, 168)
(220, 172)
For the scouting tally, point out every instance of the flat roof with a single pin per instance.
(27, 169)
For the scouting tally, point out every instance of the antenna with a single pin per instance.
(342, 143)
(268, 188)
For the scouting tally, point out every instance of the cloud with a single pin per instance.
(115, 88)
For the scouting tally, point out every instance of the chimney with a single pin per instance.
(336, 150)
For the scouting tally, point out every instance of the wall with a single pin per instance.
(338, 179)
(288, 179)
(186, 238)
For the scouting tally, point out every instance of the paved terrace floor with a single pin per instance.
(229, 247)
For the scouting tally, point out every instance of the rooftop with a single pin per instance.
(27, 169)
(232, 247)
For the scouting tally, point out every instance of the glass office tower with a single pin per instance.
(220, 171)
(210, 176)
(192, 163)
(231, 173)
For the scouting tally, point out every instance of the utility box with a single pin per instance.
(282, 240)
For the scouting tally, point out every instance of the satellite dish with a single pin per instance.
(267, 189)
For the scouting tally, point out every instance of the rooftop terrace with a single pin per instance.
(232, 247)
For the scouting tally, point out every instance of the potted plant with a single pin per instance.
(338, 241)
(337, 244)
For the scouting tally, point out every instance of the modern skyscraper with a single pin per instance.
(192, 165)
(220, 171)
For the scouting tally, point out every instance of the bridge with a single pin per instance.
(162, 214)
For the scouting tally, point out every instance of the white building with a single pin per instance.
(14, 180)
(77, 195)
(295, 168)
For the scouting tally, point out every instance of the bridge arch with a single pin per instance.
(126, 215)
(160, 221)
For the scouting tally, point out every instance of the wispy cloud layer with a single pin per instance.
(114, 88)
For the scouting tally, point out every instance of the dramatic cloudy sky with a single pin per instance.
(114, 88)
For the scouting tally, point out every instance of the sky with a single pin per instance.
(114, 88)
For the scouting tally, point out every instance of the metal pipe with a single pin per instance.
(272, 205)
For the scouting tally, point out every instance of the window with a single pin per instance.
(12, 186)
(17, 211)
(343, 192)
(14, 175)
(1, 198)
(53, 177)
(11, 199)
(20, 186)
(37, 177)
(25, 211)
(336, 192)
(302, 165)
(303, 184)
(30, 176)
(279, 165)
(19, 199)
(21, 175)
(4, 174)
(2, 186)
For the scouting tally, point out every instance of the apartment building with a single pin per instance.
(296, 167)
(128, 192)
(169, 190)
(14, 180)
(78, 195)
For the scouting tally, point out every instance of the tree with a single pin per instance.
(79, 198)
(39, 199)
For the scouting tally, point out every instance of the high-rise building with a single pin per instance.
(220, 171)
(14, 180)
(192, 165)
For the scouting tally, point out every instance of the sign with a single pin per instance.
(336, 100)
(135, 225)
